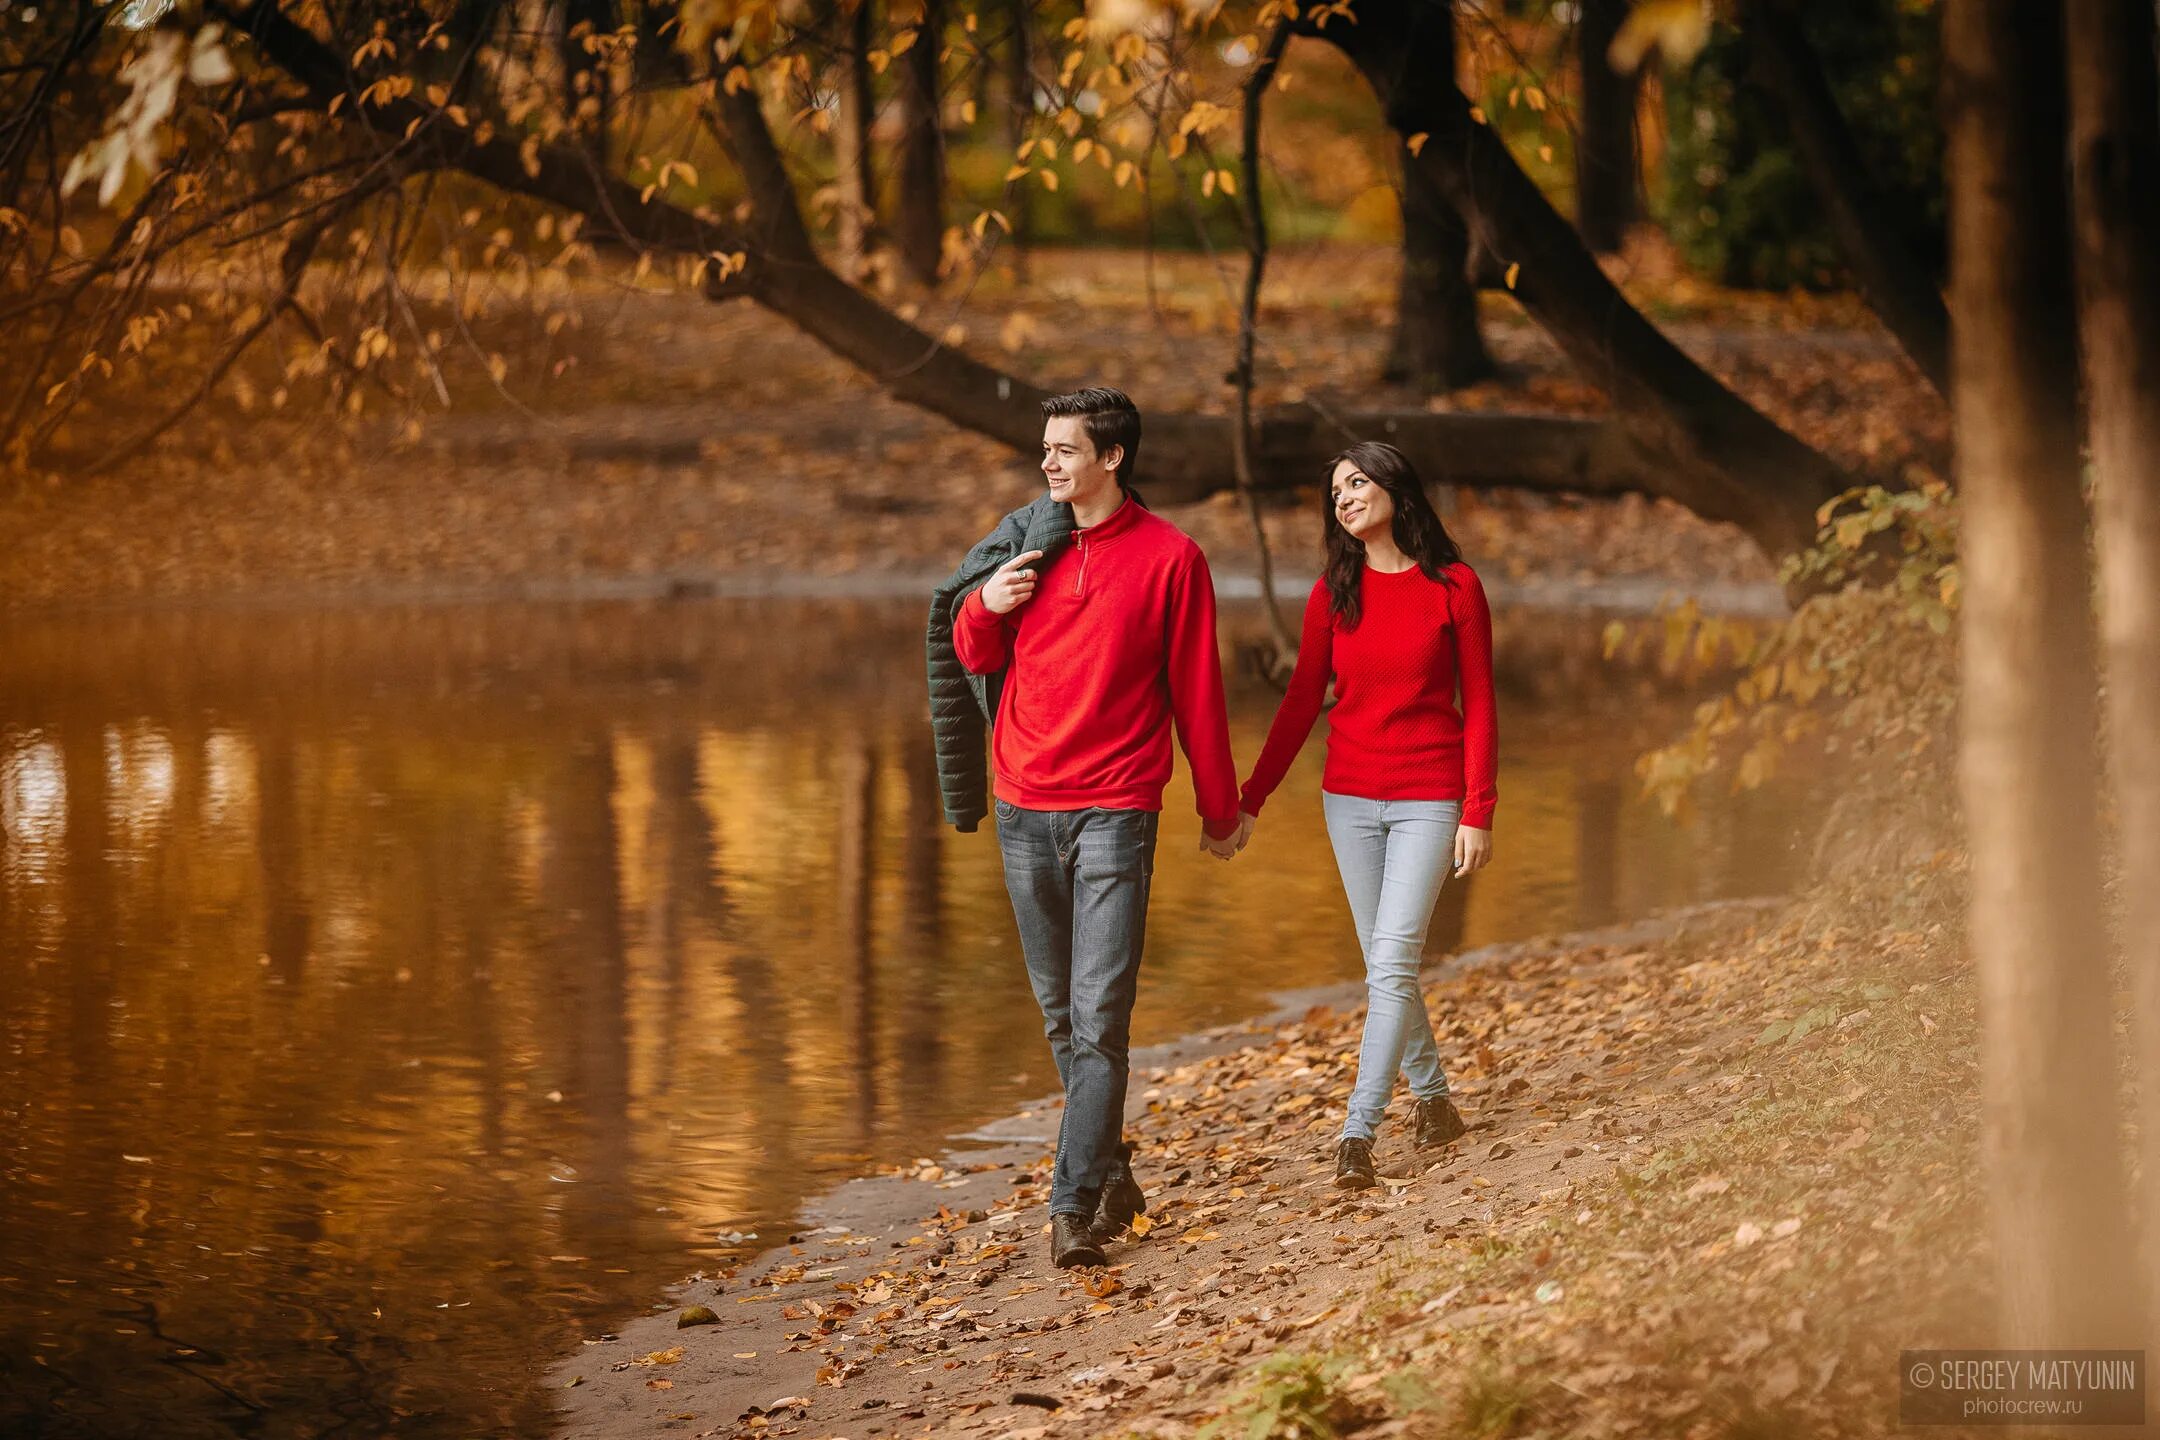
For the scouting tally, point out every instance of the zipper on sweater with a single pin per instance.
(1080, 576)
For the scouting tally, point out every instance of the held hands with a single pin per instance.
(1235, 841)
(1473, 850)
(1012, 586)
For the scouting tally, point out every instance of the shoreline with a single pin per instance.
(1633, 595)
(737, 1370)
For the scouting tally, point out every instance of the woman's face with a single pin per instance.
(1362, 507)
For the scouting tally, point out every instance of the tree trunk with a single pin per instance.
(587, 92)
(2115, 166)
(1437, 347)
(2029, 709)
(1897, 286)
(919, 208)
(1608, 162)
(657, 62)
(857, 210)
(1722, 457)
(1019, 114)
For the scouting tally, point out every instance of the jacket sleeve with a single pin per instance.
(1481, 726)
(1300, 704)
(983, 641)
(1197, 707)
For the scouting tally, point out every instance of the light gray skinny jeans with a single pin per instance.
(1394, 856)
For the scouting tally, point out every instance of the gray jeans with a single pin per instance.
(1394, 855)
(1079, 885)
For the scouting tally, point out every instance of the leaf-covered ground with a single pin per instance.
(655, 438)
(1720, 1170)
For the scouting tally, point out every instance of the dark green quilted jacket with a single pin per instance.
(962, 705)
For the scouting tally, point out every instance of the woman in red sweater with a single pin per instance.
(1398, 623)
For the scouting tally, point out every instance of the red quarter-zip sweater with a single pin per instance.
(1116, 646)
(1395, 733)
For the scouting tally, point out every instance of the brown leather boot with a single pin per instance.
(1070, 1245)
(1353, 1164)
(1438, 1123)
(1122, 1199)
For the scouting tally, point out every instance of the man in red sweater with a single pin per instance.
(1105, 650)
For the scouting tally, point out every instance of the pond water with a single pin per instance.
(390, 998)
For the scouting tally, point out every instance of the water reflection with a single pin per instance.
(388, 999)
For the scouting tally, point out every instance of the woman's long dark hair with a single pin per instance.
(1418, 531)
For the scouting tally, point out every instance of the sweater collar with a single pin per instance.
(1121, 520)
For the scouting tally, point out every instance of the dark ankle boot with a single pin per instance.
(1353, 1164)
(1070, 1244)
(1122, 1199)
(1438, 1122)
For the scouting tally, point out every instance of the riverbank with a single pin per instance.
(1720, 1170)
(1621, 595)
(662, 441)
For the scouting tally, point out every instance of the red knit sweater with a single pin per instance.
(1395, 733)
(1115, 650)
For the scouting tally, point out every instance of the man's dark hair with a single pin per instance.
(1110, 418)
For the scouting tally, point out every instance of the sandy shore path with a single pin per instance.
(924, 1303)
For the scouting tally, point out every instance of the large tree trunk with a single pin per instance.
(1019, 114)
(1608, 161)
(857, 209)
(657, 61)
(2115, 164)
(919, 208)
(1897, 286)
(2029, 708)
(1722, 457)
(588, 91)
(1436, 347)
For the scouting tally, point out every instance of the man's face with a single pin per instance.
(1078, 475)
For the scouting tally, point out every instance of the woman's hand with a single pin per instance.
(1473, 849)
(1230, 844)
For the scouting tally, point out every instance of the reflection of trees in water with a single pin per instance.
(1450, 917)
(88, 969)
(585, 977)
(855, 873)
(286, 919)
(918, 959)
(375, 818)
(1597, 851)
(685, 893)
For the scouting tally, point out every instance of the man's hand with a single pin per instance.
(1473, 849)
(1012, 586)
(1230, 844)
